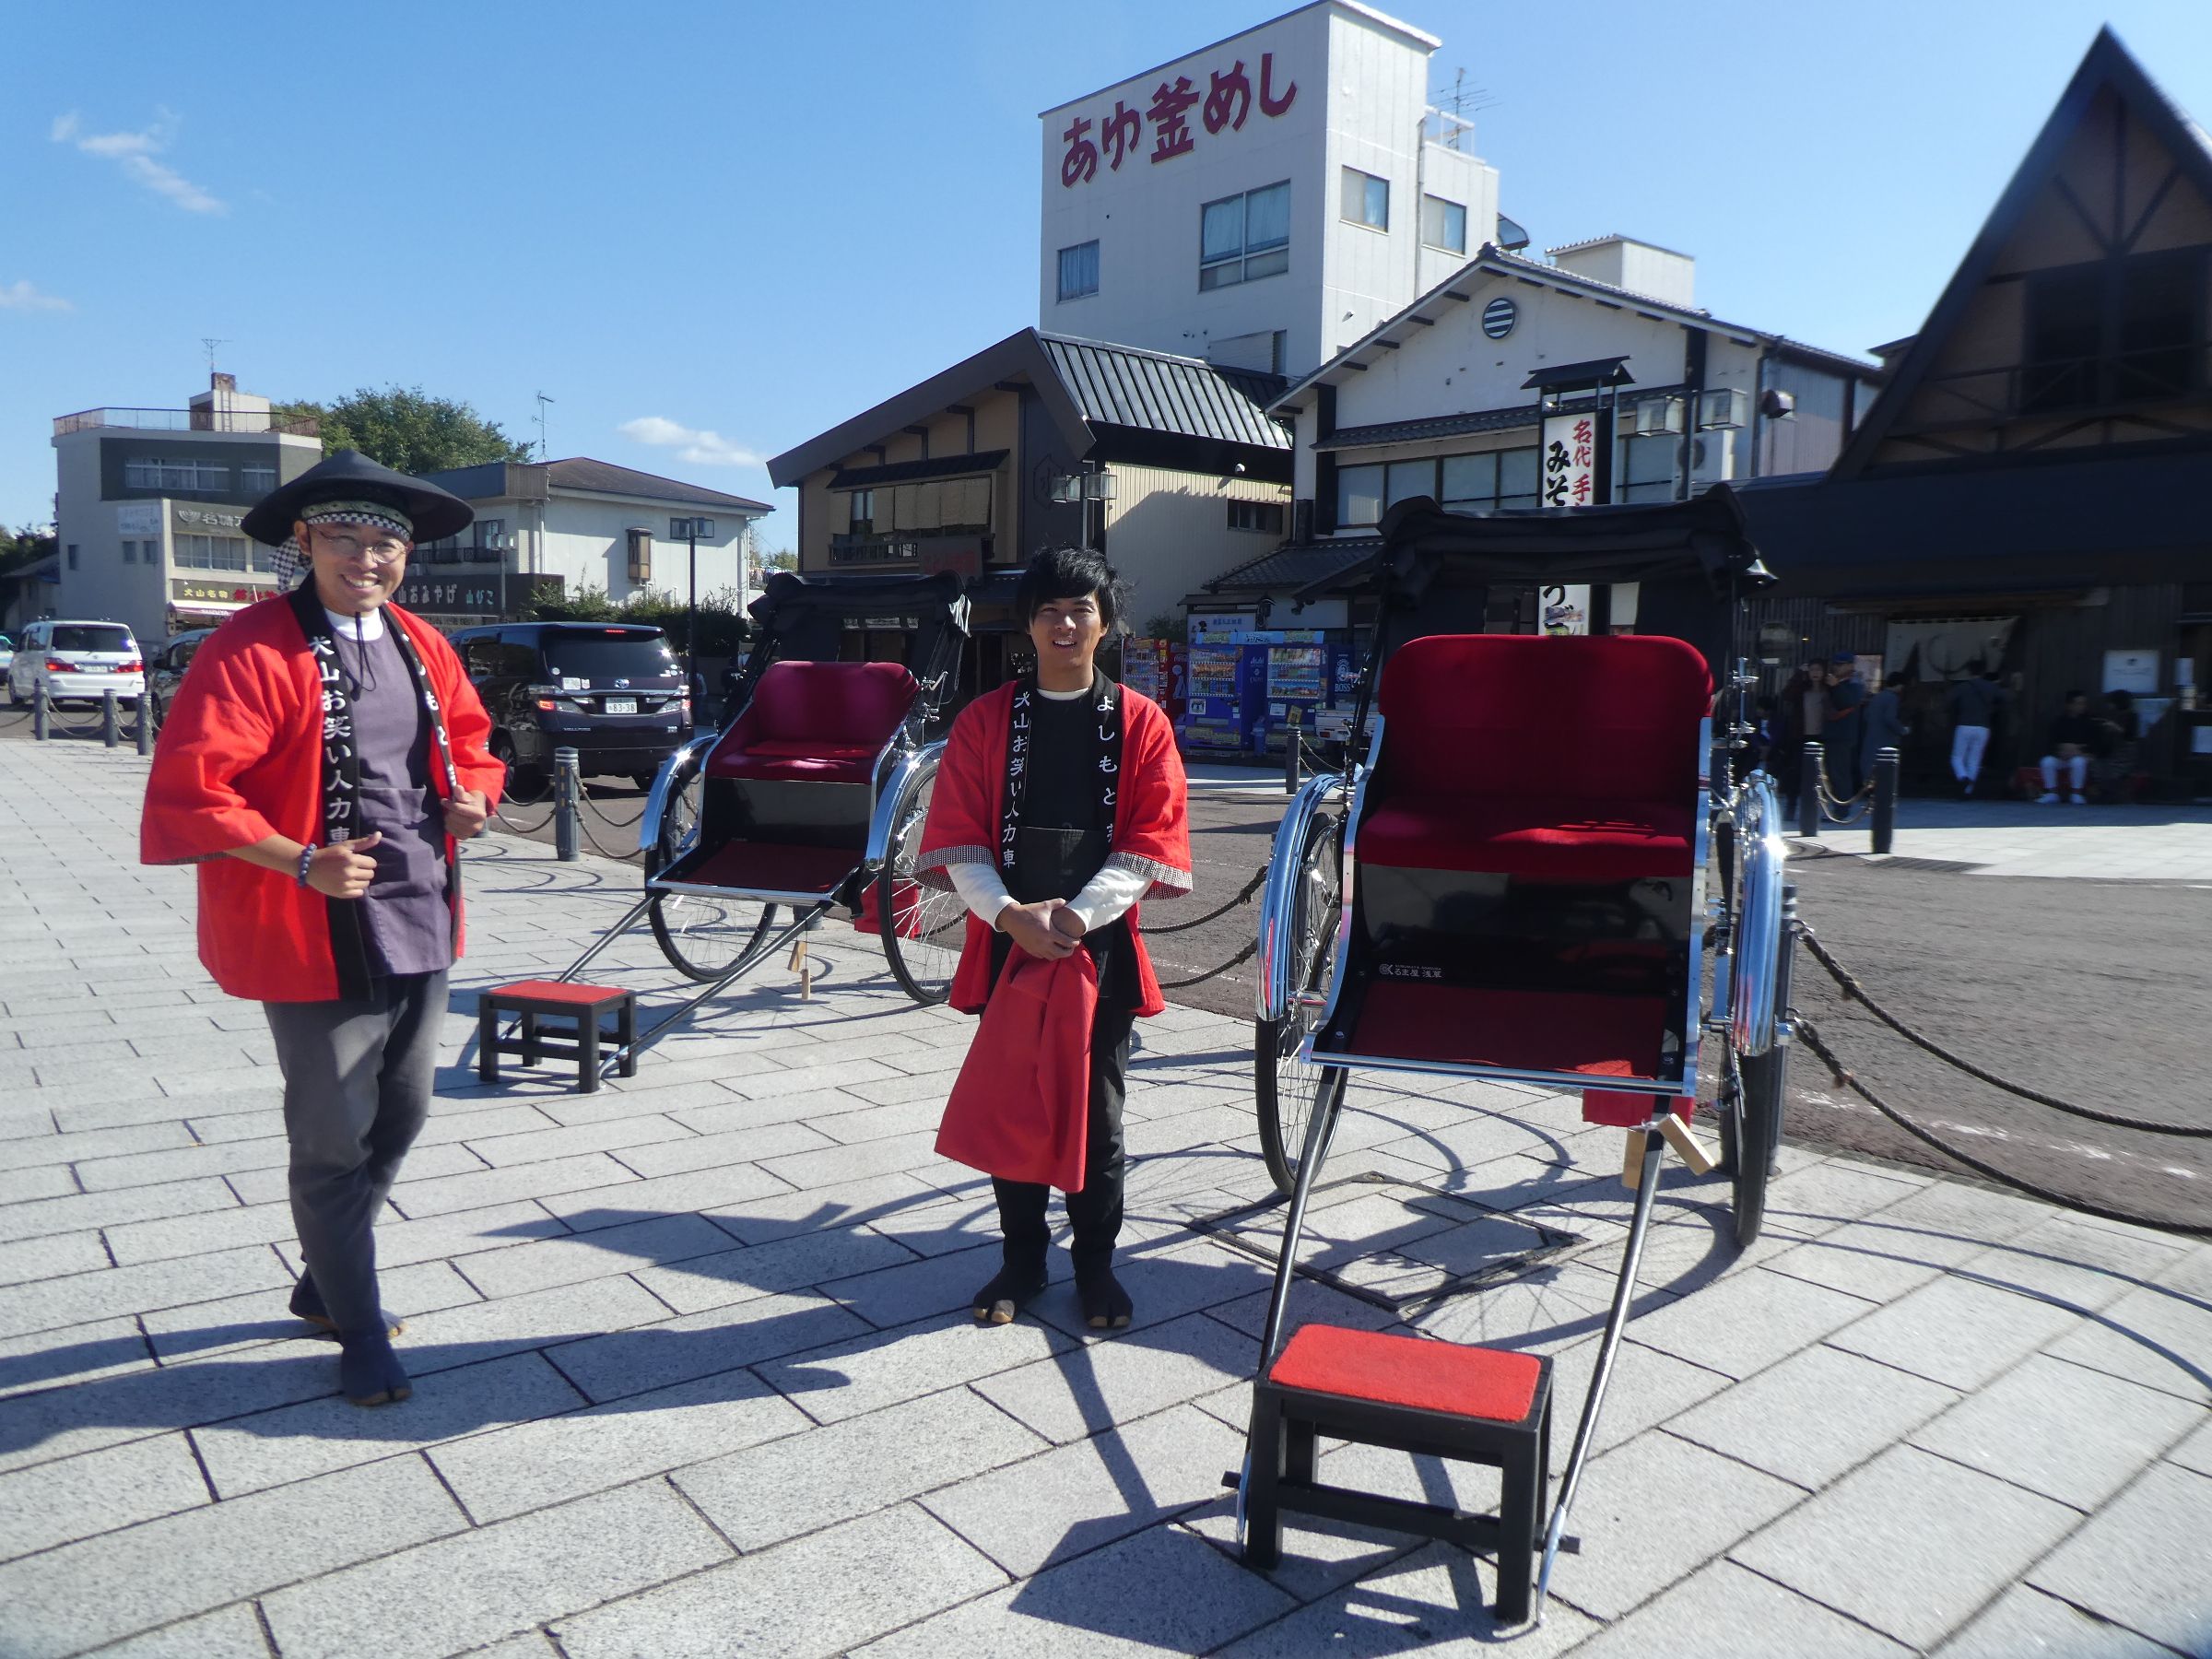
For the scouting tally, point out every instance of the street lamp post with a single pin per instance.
(691, 529)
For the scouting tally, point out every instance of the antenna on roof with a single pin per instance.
(211, 343)
(542, 401)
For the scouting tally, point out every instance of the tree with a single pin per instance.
(26, 545)
(408, 430)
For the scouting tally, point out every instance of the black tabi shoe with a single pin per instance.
(369, 1372)
(1106, 1306)
(307, 1304)
(1007, 1294)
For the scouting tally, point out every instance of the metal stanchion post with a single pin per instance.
(1809, 793)
(1885, 799)
(566, 787)
(41, 712)
(1292, 733)
(145, 723)
(110, 734)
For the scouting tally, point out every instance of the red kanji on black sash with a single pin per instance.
(1170, 118)
(1230, 91)
(1269, 103)
(1123, 132)
(1082, 158)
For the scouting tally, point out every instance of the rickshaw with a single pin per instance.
(1505, 880)
(811, 798)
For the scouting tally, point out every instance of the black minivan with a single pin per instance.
(612, 692)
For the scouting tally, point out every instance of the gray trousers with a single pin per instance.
(357, 1077)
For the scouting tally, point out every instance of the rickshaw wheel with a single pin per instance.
(1289, 1091)
(923, 928)
(702, 936)
(1751, 1136)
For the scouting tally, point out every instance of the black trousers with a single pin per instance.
(357, 1077)
(1094, 1213)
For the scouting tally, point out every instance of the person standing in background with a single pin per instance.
(1884, 719)
(1846, 698)
(1973, 703)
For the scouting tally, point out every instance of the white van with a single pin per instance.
(76, 662)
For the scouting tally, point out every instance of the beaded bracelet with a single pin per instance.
(307, 857)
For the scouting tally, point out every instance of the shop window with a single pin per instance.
(186, 478)
(1244, 238)
(1407, 479)
(863, 521)
(1469, 481)
(211, 552)
(1649, 468)
(1444, 224)
(1365, 199)
(1263, 517)
(256, 480)
(490, 535)
(130, 552)
(1079, 270)
(1359, 496)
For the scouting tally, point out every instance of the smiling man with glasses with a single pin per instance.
(320, 763)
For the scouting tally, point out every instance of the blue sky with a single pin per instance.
(710, 230)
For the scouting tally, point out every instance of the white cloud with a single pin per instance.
(23, 296)
(135, 153)
(694, 444)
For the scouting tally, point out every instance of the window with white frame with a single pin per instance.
(1359, 496)
(1078, 270)
(1244, 238)
(1263, 516)
(212, 552)
(256, 480)
(197, 477)
(1459, 483)
(1365, 199)
(1444, 224)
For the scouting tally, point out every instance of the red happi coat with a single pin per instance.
(241, 760)
(1151, 823)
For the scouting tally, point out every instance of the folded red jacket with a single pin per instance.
(1021, 1105)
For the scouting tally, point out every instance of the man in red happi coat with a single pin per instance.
(1060, 803)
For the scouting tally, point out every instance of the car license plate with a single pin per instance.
(621, 705)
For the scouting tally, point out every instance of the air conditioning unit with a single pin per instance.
(1728, 407)
(1659, 416)
(1712, 459)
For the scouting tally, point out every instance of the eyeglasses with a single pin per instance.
(382, 550)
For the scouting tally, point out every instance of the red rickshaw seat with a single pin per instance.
(1535, 838)
(822, 722)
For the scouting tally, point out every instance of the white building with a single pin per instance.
(1263, 202)
(147, 504)
(582, 523)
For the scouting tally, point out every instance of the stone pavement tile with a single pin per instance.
(853, 1257)
(674, 1154)
(895, 1155)
(518, 1574)
(2069, 1433)
(1823, 1197)
(529, 1644)
(145, 1168)
(902, 1090)
(256, 1122)
(1956, 1332)
(1163, 1590)
(663, 1195)
(917, 1288)
(78, 1497)
(1911, 1544)
(1873, 1260)
(232, 1633)
(539, 1319)
(2195, 1452)
(1818, 1414)
(2090, 1267)
(96, 1145)
(885, 1368)
(917, 1116)
(204, 1233)
(1319, 1556)
(1144, 1371)
(721, 1111)
(462, 1233)
(262, 1316)
(83, 1297)
(450, 1122)
(1164, 1283)
(553, 1459)
(930, 1224)
(2024, 1621)
(625, 1362)
(1310, 1303)
(51, 1256)
(812, 1598)
(107, 1348)
(202, 1558)
(1651, 1513)
(1070, 1500)
(1723, 1611)
(294, 1442)
(573, 1258)
(2155, 1336)
(592, 1171)
(73, 1213)
(1552, 1309)
(273, 1186)
(805, 1482)
(539, 1146)
(868, 1203)
(1648, 1388)
(42, 1181)
(2140, 1561)
(790, 1080)
(1955, 1209)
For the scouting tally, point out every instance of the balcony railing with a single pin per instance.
(188, 420)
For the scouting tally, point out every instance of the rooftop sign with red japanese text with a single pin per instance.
(1224, 107)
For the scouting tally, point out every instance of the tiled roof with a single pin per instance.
(604, 478)
(1294, 567)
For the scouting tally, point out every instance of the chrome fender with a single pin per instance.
(1278, 894)
(906, 772)
(1761, 935)
(666, 781)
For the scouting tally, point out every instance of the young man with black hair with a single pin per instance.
(1060, 803)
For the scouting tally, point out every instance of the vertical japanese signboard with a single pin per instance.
(1569, 461)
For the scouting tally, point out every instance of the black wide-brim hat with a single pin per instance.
(351, 476)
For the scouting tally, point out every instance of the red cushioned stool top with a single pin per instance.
(557, 991)
(1410, 1371)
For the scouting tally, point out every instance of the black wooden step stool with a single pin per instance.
(1413, 1393)
(581, 1007)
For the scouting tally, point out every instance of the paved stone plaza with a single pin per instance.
(695, 1376)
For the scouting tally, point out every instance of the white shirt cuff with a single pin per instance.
(1106, 897)
(980, 890)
